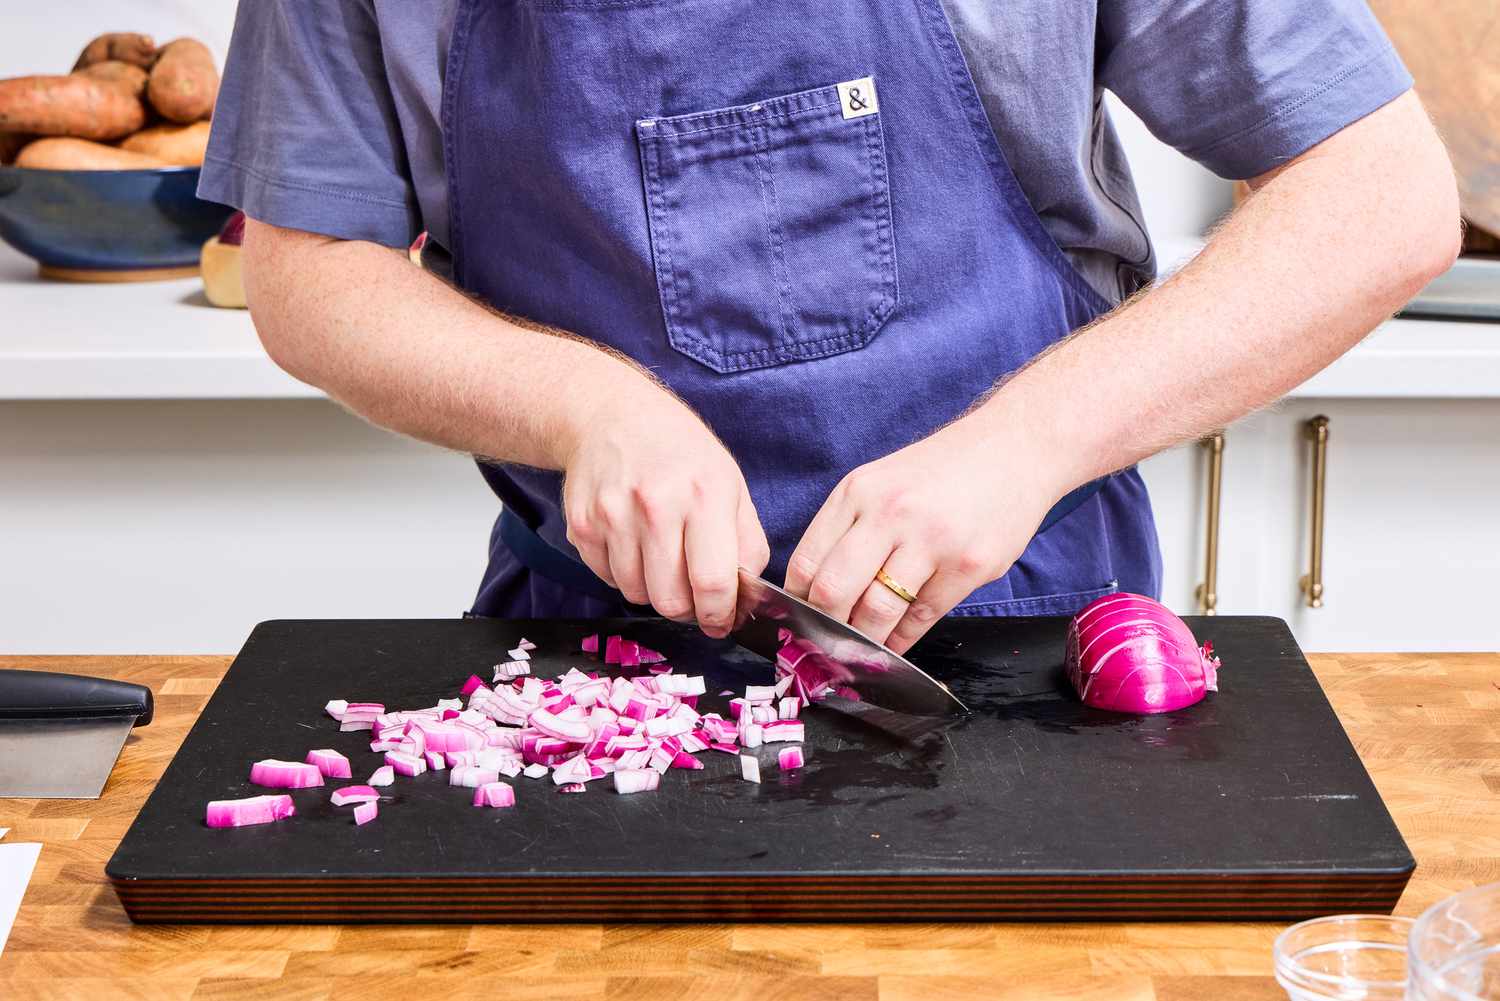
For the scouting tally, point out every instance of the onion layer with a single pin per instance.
(252, 810)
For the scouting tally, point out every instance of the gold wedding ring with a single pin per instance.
(896, 588)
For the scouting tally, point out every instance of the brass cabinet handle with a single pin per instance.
(1312, 581)
(1208, 591)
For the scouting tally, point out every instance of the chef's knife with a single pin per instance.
(61, 733)
(879, 674)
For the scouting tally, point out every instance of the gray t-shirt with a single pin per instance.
(328, 119)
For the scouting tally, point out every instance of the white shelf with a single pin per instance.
(134, 340)
(162, 340)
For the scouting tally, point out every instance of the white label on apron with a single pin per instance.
(857, 97)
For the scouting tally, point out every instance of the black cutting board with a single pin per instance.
(1249, 805)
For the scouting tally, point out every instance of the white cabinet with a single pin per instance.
(1412, 523)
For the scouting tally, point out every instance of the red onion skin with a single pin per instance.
(233, 232)
(1129, 653)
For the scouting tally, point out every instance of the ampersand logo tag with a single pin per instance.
(857, 97)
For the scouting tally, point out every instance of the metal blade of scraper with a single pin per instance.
(61, 733)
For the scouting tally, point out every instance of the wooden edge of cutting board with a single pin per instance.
(1039, 897)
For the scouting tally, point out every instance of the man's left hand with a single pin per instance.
(940, 517)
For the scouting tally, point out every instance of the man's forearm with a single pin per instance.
(408, 352)
(1323, 251)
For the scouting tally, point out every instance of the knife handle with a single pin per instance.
(47, 695)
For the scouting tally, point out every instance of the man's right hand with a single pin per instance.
(658, 508)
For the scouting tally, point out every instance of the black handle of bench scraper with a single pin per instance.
(47, 695)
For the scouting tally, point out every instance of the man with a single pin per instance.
(829, 287)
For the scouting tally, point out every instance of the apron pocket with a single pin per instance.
(770, 229)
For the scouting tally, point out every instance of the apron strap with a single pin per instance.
(540, 556)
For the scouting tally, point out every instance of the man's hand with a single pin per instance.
(1329, 245)
(658, 508)
(653, 501)
(941, 517)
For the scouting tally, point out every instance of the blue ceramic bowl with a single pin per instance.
(107, 220)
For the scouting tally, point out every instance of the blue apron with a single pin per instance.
(797, 215)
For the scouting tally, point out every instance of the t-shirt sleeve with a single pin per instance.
(1243, 86)
(305, 133)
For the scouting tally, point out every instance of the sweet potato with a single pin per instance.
(183, 81)
(81, 154)
(11, 143)
(74, 105)
(177, 144)
(125, 46)
(131, 78)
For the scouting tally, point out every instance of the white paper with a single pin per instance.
(16, 862)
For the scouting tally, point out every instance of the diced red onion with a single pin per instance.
(525, 644)
(330, 763)
(494, 794)
(352, 794)
(590, 643)
(788, 758)
(518, 654)
(633, 780)
(472, 776)
(612, 650)
(410, 765)
(783, 729)
(248, 811)
(749, 768)
(573, 787)
(364, 813)
(383, 776)
(276, 774)
(535, 771)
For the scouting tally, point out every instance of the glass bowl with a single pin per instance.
(1345, 957)
(1455, 948)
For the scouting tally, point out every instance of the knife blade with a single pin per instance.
(879, 674)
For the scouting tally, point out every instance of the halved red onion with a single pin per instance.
(248, 811)
(1129, 653)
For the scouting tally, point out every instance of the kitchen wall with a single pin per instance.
(173, 526)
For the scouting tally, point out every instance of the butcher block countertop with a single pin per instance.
(1426, 726)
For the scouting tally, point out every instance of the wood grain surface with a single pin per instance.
(1428, 728)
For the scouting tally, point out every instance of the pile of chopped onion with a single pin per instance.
(584, 726)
